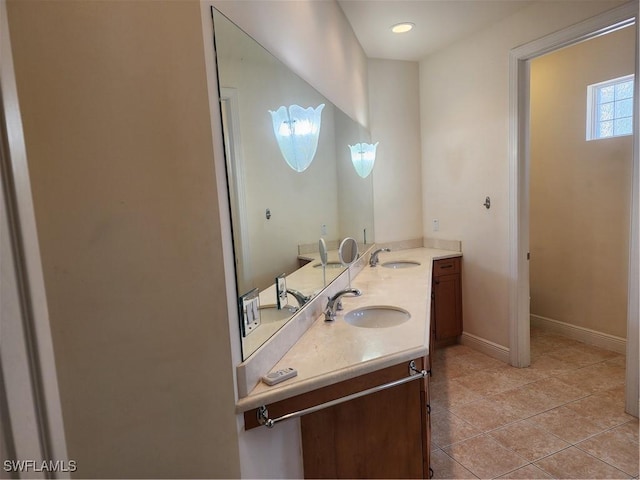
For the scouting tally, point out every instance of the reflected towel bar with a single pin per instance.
(263, 413)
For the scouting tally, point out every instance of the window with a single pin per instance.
(610, 108)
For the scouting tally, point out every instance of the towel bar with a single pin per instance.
(263, 412)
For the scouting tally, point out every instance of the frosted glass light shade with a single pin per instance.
(297, 130)
(363, 156)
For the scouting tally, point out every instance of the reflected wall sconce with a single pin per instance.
(297, 130)
(363, 156)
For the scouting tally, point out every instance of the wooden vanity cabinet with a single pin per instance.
(386, 434)
(446, 301)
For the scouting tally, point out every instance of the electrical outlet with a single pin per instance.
(436, 224)
(323, 230)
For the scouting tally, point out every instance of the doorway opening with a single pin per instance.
(580, 189)
(520, 70)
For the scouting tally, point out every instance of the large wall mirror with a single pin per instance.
(279, 213)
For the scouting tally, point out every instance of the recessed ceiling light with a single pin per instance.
(403, 27)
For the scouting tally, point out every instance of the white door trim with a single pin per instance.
(234, 157)
(30, 399)
(519, 189)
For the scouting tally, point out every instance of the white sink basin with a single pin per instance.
(401, 264)
(377, 316)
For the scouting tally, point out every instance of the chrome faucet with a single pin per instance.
(373, 260)
(332, 304)
(300, 297)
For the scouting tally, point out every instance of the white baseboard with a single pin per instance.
(586, 335)
(485, 346)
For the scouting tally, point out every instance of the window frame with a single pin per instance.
(592, 107)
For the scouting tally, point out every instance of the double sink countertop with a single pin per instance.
(330, 352)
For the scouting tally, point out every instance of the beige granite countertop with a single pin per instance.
(330, 352)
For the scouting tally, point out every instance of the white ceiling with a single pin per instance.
(438, 23)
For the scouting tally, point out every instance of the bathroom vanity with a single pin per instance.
(361, 393)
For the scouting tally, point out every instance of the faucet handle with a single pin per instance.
(373, 260)
(329, 314)
(334, 303)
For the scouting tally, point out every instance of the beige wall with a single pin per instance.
(464, 95)
(580, 190)
(394, 88)
(115, 109)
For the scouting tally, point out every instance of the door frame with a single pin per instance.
(32, 425)
(519, 294)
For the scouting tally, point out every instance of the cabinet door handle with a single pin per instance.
(437, 282)
(449, 265)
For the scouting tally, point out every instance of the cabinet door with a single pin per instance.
(447, 306)
(382, 435)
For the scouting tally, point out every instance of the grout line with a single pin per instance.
(527, 465)
(572, 369)
(454, 460)
(577, 445)
(603, 460)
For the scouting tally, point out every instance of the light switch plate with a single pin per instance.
(250, 310)
(281, 291)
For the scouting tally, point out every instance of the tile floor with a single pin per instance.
(563, 417)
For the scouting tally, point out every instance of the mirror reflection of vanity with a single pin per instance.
(278, 213)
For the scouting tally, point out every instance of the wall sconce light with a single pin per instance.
(363, 156)
(297, 130)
